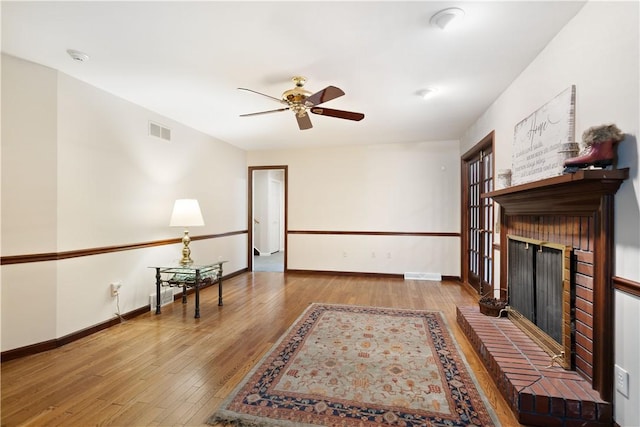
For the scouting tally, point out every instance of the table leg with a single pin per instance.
(220, 287)
(157, 290)
(197, 315)
(184, 293)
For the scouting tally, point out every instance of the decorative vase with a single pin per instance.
(504, 178)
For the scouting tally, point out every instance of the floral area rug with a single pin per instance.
(341, 365)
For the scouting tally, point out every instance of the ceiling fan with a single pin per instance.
(301, 101)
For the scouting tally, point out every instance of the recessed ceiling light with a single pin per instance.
(76, 55)
(427, 93)
(445, 17)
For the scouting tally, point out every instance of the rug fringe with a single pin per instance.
(234, 421)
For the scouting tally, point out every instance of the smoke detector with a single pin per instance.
(76, 55)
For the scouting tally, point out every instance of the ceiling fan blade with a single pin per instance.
(349, 115)
(326, 94)
(264, 112)
(304, 122)
(281, 101)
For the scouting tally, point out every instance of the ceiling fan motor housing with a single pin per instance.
(297, 95)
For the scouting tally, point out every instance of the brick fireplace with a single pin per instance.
(575, 211)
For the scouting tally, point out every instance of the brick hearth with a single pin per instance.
(538, 394)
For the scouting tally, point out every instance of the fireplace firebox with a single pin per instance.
(540, 296)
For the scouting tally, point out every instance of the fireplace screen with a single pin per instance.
(539, 291)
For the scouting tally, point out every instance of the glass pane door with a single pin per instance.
(479, 227)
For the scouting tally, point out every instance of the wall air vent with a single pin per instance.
(166, 297)
(159, 131)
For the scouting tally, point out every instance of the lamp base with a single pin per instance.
(186, 252)
(186, 260)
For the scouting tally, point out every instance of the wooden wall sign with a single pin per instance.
(538, 138)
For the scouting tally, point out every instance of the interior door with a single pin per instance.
(478, 217)
(275, 230)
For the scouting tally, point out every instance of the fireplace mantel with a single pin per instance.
(570, 194)
(580, 205)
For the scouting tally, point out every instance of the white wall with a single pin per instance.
(388, 188)
(79, 171)
(598, 51)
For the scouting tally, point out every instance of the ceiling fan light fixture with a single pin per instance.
(445, 17)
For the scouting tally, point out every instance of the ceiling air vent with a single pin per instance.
(159, 131)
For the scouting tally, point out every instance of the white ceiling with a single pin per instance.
(185, 60)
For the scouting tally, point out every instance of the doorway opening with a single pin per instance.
(267, 242)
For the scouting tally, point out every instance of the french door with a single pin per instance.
(478, 216)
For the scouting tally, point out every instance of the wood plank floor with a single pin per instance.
(174, 370)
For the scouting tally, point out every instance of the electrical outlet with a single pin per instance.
(115, 288)
(622, 381)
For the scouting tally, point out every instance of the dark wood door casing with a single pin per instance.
(477, 168)
(250, 212)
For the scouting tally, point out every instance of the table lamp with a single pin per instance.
(186, 213)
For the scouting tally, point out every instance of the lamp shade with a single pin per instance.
(186, 213)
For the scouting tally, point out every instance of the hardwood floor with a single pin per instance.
(174, 370)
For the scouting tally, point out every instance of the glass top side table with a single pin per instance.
(188, 276)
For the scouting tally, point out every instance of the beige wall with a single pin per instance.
(29, 192)
(80, 171)
(379, 188)
(29, 133)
